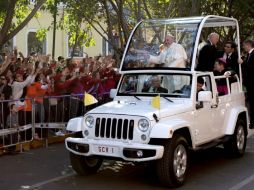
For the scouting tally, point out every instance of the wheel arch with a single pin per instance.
(237, 113)
(185, 132)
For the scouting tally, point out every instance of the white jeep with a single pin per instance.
(135, 128)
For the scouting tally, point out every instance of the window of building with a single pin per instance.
(78, 51)
(9, 46)
(104, 47)
(34, 45)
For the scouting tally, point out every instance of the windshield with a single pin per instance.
(171, 85)
(161, 44)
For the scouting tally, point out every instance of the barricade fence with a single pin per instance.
(24, 120)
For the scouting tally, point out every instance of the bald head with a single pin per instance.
(213, 38)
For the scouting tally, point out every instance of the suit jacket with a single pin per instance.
(158, 90)
(248, 71)
(207, 57)
(232, 61)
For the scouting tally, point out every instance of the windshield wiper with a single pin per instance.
(167, 99)
(137, 97)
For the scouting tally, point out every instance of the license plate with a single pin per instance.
(108, 150)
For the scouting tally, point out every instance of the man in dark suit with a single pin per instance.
(208, 54)
(231, 56)
(155, 86)
(248, 66)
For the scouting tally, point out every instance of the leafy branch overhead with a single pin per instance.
(114, 18)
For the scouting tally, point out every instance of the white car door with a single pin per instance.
(205, 115)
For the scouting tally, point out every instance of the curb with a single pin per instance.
(35, 143)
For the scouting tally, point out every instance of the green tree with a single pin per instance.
(14, 16)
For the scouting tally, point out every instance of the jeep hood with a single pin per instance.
(143, 108)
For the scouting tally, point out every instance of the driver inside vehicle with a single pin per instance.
(155, 86)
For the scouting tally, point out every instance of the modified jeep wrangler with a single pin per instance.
(135, 127)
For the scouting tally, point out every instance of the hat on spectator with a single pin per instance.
(222, 61)
(20, 72)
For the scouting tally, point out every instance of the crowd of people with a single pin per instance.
(38, 76)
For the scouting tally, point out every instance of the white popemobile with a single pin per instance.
(135, 127)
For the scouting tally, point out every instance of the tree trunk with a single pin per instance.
(5, 33)
(7, 20)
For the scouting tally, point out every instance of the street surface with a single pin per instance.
(49, 169)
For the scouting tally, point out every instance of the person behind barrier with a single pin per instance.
(12, 122)
(37, 90)
(62, 84)
(5, 95)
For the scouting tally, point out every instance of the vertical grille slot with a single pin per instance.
(103, 123)
(125, 129)
(97, 127)
(119, 128)
(108, 127)
(131, 127)
(113, 128)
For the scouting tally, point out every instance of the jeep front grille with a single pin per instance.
(114, 128)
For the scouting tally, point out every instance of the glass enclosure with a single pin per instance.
(162, 44)
(177, 43)
(171, 85)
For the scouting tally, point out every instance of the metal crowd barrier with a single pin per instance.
(42, 120)
(16, 125)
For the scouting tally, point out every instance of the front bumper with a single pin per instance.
(108, 148)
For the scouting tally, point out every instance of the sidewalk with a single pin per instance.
(36, 143)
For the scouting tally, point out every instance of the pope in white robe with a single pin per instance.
(173, 54)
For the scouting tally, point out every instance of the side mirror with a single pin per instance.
(113, 93)
(205, 96)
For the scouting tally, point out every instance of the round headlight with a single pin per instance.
(89, 121)
(143, 125)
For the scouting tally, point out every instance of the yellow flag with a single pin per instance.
(156, 102)
(89, 99)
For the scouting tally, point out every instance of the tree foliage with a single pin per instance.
(14, 16)
(116, 17)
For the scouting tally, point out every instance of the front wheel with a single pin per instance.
(173, 166)
(237, 143)
(85, 165)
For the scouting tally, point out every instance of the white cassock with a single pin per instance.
(173, 56)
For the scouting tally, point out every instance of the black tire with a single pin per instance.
(237, 142)
(85, 165)
(166, 171)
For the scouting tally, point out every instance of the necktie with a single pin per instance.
(247, 58)
(227, 55)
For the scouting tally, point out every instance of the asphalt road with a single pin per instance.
(49, 169)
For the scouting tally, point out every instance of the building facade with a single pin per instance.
(26, 40)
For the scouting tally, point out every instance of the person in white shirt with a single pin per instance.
(19, 84)
(172, 55)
